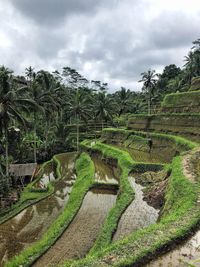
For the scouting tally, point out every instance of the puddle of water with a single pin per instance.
(182, 256)
(105, 173)
(29, 225)
(138, 214)
(81, 234)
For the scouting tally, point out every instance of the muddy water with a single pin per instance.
(79, 237)
(48, 176)
(187, 254)
(138, 214)
(105, 173)
(29, 225)
(152, 156)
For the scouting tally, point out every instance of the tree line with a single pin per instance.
(42, 112)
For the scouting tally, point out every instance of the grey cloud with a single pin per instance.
(51, 12)
(174, 30)
(117, 39)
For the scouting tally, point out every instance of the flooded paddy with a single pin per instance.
(105, 173)
(152, 156)
(138, 214)
(161, 151)
(47, 177)
(81, 234)
(28, 226)
(185, 255)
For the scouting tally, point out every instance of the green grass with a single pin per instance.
(181, 99)
(126, 192)
(178, 141)
(166, 114)
(181, 213)
(85, 178)
(125, 196)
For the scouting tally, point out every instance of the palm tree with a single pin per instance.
(79, 108)
(123, 100)
(12, 105)
(44, 89)
(103, 106)
(149, 82)
(30, 74)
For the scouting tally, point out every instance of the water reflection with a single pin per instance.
(81, 234)
(105, 173)
(138, 214)
(29, 225)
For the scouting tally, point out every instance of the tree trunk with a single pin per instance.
(6, 148)
(46, 136)
(102, 125)
(149, 103)
(77, 132)
(35, 143)
(149, 107)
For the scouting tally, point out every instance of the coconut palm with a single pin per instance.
(103, 106)
(44, 91)
(149, 82)
(79, 108)
(123, 98)
(12, 105)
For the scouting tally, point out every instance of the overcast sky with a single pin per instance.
(109, 40)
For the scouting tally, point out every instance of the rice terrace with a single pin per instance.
(92, 175)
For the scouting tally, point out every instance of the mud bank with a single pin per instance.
(187, 254)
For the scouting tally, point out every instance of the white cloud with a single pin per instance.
(113, 41)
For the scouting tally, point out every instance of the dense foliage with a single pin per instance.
(45, 113)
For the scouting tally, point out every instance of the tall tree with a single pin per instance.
(12, 103)
(149, 80)
(103, 107)
(123, 99)
(79, 108)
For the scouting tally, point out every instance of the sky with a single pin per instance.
(109, 40)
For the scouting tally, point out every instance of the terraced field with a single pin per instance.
(29, 225)
(128, 201)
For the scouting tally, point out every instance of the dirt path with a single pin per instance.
(28, 226)
(138, 214)
(82, 232)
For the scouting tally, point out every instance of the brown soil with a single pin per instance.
(155, 195)
(185, 255)
(156, 183)
(79, 237)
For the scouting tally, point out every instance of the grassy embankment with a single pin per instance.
(181, 213)
(85, 178)
(126, 192)
(178, 141)
(185, 99)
